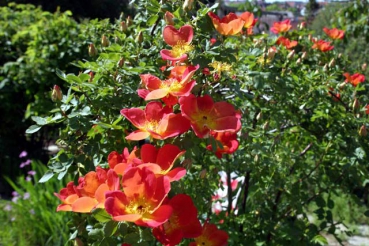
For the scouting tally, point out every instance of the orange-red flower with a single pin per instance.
(249, 19)
(161, 160)
(229, 25)
(180, 41)
(90, 192)
(286, 42)
(120, 162)
(179, 84)
(211, 235)
(281, 27)
(156, 121)
(183, 222)
(141, 199)
(334, 33)
(354, 79)
(322, 45)
(205, 115)
(228, 141)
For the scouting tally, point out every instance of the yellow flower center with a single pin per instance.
(220, 67)
(171, 85)
(151, 125)
(137, 207)
(180, 49)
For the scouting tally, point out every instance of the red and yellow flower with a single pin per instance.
(180, 41)
(286, 42)
(229, 25)
(205, 115)
(334, 33)
(141, 199)
(211, 235)
(183, 222)
(90, 192)
(178, 84)
(155, 121)
(322, 45)
(228, 141)
(354, 79)
(281, 27)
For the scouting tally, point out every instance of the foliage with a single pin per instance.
(350, 17)
(82, 9)
(33, 43)
(30, 218)
(303, 135)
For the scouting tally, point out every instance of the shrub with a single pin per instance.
(303, 135)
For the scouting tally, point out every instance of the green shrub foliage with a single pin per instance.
(303, 136)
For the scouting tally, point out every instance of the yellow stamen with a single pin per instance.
(151, 125)
(219, 67)
(180, 49)
(137, 207)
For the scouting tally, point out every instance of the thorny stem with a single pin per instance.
(229, 187)
(280, 191)
(245, 187)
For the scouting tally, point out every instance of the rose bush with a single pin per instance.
(281, 122)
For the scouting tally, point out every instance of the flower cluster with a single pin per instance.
(135, 186)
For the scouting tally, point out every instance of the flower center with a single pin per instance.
(219, 67)
(180, 49)
(137, 207)
(151, 125)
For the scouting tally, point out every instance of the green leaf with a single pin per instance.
(101, 215)
(33, 129)
(39, 120)
(48, 175)
(320, 240)
(110, 228)
(366, 213)
(152, 20)
(60, 74)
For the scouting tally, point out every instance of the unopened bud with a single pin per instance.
(92, 75)
(298, 61)
(271, 52)
(258, 42)
(56, 94)
(362, 131)
(187, 5)
(339, 55)
(303, 56)
(121, 62)
(168, 17)
(139, 37)
(355, 104)
(129, 21)
(302, 25)
(363, 67)
(256, 158)
(310, 38)
(259, 116)
(343, 84)
(104, 41)
(203, 173)
(123, 26)
(187, 163)
(325, 68)
(290, 55)
(266, 126)
(332, 63)
(92, 50)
